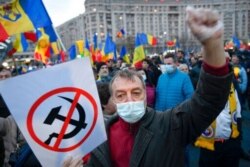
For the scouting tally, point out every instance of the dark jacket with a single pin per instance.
(162, 137)
(195, 73)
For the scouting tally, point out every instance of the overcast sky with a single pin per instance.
(62, 10)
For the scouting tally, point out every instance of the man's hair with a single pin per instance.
(103, 91)
(126, 74)
(99, 65)
(148, 62)
(170, 55)
(181, 51)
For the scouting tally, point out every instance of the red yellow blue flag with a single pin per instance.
(80, 47)
(139, 54)
(124, 55)
(42, 50)
(20, 44)
(86, 48)
(20, 16)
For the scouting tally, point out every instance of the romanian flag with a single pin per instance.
(151, 40)
(109, 45)
(49, 30)
(42, 50)
(124, 55)
(109, 49)
(31, 36)
(62, 56)
(99, 56)
(87, 51)
(80, 48)
(22, 16)
(96, 52)
(143, 38)
(147, 39)
(236, 42)
(139, 51)
(54, 44)
(72, 52)
(86, 48)
(20, 43)
(55, 47)
(170, 43)
(120, 34)
(104, 57)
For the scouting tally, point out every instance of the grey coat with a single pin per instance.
(8, 130)
(162, 137)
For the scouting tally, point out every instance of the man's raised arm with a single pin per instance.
(207, 27)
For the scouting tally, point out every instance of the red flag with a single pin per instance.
(37, 56)
(3, 34)
(93, 53)
(12, 51)
(62, 54)
(30, 36)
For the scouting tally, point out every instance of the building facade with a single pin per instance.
(164, 19)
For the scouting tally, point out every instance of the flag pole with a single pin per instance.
(59, 38)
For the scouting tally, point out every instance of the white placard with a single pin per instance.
(58, 110)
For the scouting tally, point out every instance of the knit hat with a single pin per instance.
(99, 65)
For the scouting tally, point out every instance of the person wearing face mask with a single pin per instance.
(150, 88)
(139, 136)
(183, 68)
(173, 86)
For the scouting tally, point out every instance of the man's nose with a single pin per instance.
(129, 97)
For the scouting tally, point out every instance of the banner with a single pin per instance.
(57, 110)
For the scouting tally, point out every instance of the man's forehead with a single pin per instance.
(105, 65)
(169, 60)
(121, 82)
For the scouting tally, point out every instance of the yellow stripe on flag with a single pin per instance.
(54, 47)
(17, 21)
(138, 54)
(80, 45)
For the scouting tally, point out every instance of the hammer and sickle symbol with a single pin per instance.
(54, 114)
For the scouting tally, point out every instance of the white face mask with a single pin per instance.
(131, 112)
(169, 68)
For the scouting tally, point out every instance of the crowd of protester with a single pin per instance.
(170, 79)
(165, 87)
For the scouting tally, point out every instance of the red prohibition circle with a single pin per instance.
(32, 110)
